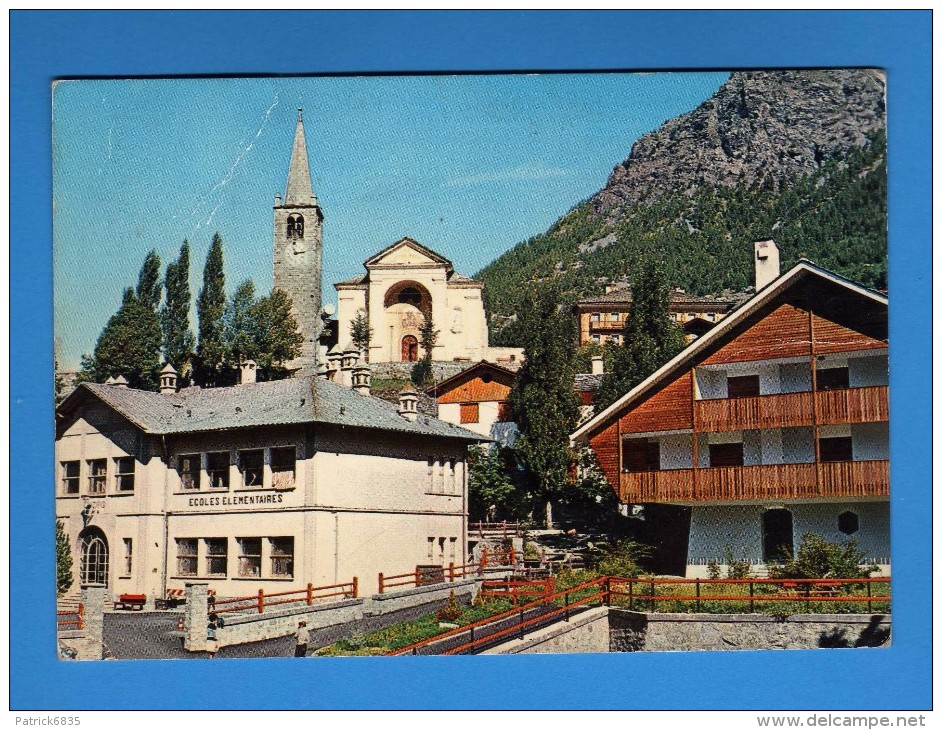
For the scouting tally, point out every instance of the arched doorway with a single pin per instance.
(94, 567)
(410, 349)
(777, 535)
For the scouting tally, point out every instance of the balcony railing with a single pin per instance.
(762, 482)
(850, 405)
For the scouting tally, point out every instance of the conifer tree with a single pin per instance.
(64, 576)
(422, 375)
(543, 398)
(360, 332)
(210, 307)
(148, 282)
(649, 337)
(240, 333)
(277, 336)
(175, 315)
(129, 346)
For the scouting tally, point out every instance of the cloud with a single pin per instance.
(536, 171)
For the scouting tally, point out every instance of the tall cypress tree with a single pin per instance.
(649, 338)
(210, 307)
(175, 315)
(543, 399)
(148, 282)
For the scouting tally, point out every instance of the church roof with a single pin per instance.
(353, 281)
(277, 403)
(457, 278)
(411, 243)
(299, 191)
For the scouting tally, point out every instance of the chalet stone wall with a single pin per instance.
(633, 631)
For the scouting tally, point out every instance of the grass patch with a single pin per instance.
(403, 634)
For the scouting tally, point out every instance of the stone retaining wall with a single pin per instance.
(634, 631)
(244, 628)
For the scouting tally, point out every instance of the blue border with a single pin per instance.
(45, 45)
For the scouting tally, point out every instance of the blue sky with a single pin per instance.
(467, 165)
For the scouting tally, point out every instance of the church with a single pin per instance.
(404, 283)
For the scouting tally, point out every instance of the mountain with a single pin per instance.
(798, 156)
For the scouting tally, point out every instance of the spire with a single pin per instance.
(299, 190)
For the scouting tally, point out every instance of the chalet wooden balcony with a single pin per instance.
(758, 483)
(850, 405)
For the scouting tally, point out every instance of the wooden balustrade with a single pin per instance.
(853, 405)
(782, 410)
(762, 482)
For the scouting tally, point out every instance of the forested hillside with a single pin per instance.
(702, 226)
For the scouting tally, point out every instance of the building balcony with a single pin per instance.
(766, 482)
(849, 405)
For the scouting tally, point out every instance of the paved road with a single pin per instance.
(154, 635)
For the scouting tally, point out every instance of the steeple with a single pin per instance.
(299, 191)
(297, 247)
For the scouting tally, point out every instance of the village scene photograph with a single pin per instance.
(552, 363)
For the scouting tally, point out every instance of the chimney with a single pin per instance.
(767, 263)
(408, 398)
(110, 380)
(334, 358)
(119, 382)
(349, 360)
(168, 379)
(361, 379)
(598, 365)
(247, 372)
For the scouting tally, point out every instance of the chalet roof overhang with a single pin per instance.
(864, 310)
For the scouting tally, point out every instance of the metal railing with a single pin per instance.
(424, 575)
(262, 600)
(634, 592)
(69, 620)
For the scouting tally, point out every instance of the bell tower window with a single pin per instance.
(295, 226)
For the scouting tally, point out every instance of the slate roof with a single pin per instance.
(588, 382)
(276, 403)
(457, 278)
(353, 281)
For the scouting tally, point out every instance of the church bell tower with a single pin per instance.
(298, 248)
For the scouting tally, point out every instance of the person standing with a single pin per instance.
(212, 644)
(302, 637)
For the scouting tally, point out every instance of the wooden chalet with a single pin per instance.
(773, 424)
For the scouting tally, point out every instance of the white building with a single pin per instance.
(405, 283)
(263, 485)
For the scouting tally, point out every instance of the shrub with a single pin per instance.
(451, 611)
(738, 569)
(713, 570)
(530, 551)
(819, 558)
(622, 559)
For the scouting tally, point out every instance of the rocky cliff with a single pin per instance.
(759, 124)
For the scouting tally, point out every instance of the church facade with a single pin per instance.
(405, 283)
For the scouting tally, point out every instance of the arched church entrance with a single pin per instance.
(94, 558)
(406, 304)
